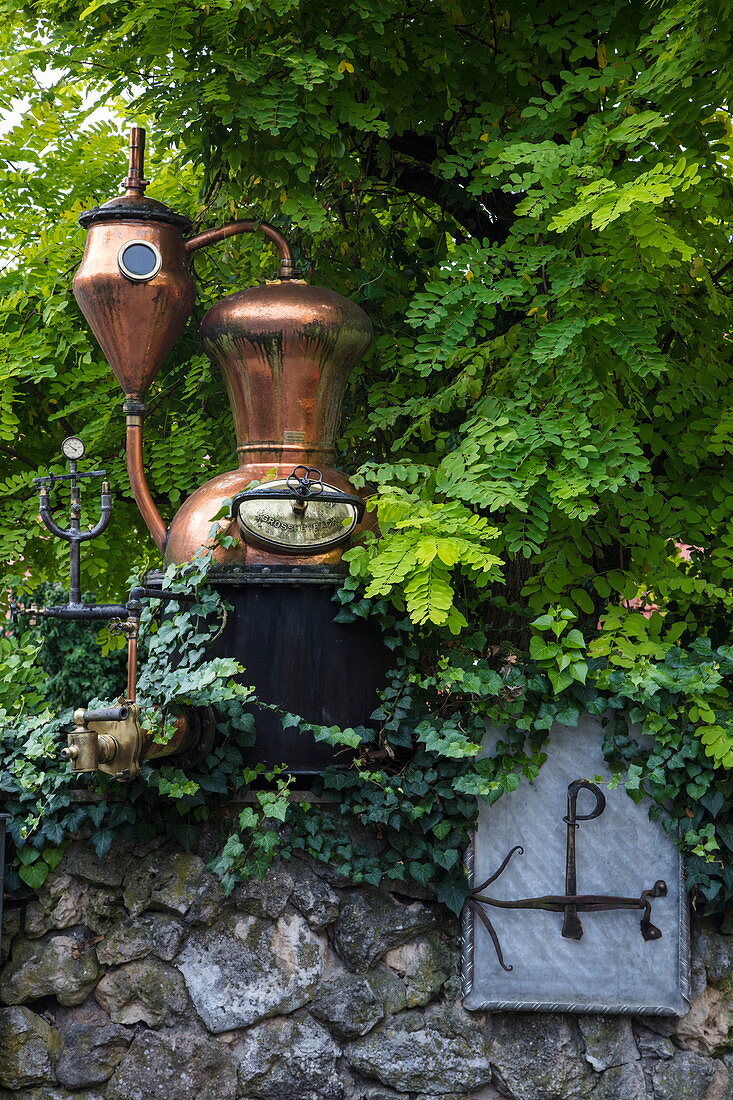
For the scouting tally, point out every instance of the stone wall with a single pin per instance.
(133, 978)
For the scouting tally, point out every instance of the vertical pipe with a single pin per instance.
(74, 548)
(132, 662)
(136, 171)
(135, 412)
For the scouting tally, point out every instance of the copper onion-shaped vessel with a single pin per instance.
(285, 350)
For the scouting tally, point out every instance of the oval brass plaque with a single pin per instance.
(284, 523)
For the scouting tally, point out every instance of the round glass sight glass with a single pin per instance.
(139, 260)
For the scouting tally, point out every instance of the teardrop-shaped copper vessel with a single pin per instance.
(136, 323)
(286, 350)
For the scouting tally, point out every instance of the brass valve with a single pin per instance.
(113, 741)
(107, 740)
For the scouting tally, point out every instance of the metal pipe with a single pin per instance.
(82, 611)
(135, 181)
(132, 667)
(106, 714)
(135, 411)
(248, 225)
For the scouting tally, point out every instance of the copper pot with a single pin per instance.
(286, 351)
(134, 287)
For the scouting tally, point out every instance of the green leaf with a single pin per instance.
(35, 874)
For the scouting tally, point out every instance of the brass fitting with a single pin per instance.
(113, 741)
(108, 740)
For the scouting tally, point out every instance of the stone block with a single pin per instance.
(315, 899)
(608, 1040)
(652, 1045)
(173, 881)
(425, 965)
(626, 1082)
(64, 966)
(90, 1055)
(48, 1092)
(11, 925)
(146, 991)
(64, 902)
(714, 952)
(412, 1054)
(708, 1026)
(136, 937)
(255, 970)
(389, 988)
(372, 922)
(82, 861)
(349, 1007)
(175, 1065)
(267, 898)
(288, 1058)
(539, 1056)
(684, 1077)
(28, 1048)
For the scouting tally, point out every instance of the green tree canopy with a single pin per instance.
(534, 204)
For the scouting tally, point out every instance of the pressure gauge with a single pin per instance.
(297, 515)
(72, 448)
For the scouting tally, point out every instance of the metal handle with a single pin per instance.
(106, 714)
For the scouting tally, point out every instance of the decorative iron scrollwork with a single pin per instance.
(571, 903)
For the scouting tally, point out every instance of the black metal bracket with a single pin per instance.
(570, 903)
(73, 534)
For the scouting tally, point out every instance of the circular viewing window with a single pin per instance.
(139, 260)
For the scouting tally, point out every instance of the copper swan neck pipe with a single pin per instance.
(248, 225)
(135, 412)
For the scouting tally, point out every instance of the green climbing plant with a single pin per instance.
(534, 205)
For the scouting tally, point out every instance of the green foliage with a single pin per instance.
(561, 656)
(415, 778)
(71, 664)
(420, 544)
(535, 207)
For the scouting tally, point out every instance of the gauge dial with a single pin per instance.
(72, 447)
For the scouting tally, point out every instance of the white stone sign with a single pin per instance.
(624, 946)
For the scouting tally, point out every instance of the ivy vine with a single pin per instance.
(415, 778)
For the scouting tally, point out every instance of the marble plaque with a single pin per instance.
(618, 853)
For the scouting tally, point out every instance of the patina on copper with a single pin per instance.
(138, 320)
(285, 350)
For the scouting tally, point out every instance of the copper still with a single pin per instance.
(285, 350)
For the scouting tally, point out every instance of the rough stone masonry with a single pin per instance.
(133, 978)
